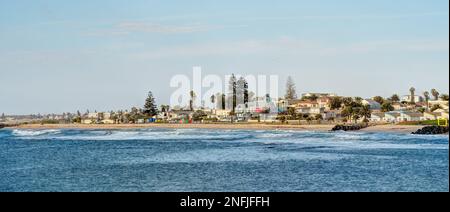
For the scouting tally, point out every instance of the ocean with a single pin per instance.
(192, 160)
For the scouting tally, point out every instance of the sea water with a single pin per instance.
(220, 160)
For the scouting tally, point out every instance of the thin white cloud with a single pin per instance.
(126, 28)
(158, 28)
(347, 17)
(289, 47)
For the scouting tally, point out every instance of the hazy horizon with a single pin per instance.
(60, 56)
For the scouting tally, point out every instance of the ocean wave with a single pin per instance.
(275, 135)
(126, 135)
(337, 140)
(32, 133)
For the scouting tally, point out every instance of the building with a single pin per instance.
(259, 106)
(330, 114)
(377, 117)
(392, 117)
(407, 98)
(307, 104)
(98, 118)
(372, 104)
(324, 102)
(222, 115)
(307, 95)
(431, 115)
(411, 116)
(310, 110)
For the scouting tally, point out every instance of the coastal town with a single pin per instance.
(241, 106)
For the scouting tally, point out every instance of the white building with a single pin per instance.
(392, 117)
(377, 117)
(417, 98)
(310, 110)
(319, 95)
(411, 116)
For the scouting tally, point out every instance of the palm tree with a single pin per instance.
(213, 100)
(365, 112)
(191, 102)
(412, 90)
(435, 94)
(426, 94)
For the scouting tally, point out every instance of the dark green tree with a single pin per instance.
(291, 92)
(412, 91)
(224, 101)
(192, 100)
(395, 98)
(336, 103)
(379, 99)
(150, 107)
(213, 99)
(426, 94)
(387, 107)
(435, 94)
(233, 91)
(436, 107)
(199, 115)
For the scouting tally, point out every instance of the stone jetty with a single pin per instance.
(354, 127)
(432, 130)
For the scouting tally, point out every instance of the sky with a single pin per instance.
(62, 56)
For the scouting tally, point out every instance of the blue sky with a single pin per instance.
(59, 56)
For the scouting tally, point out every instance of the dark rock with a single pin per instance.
(348, 127)
(432, 130)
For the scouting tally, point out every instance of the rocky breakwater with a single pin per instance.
(354, 127)
(432, 130)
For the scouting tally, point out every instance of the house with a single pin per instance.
(330, 114)
(438, 102)
(411, 116)
(283, 105)
(260, 105)
(392, 117)
(310, 110)
(307, 95)
(377, 117)
(372, 104)
(431, 115)
(399, 106)
(87, 121)
(307, 104)
(222, 115)
(107, 121)
(177, 115)
(407, 98)
(324, 102)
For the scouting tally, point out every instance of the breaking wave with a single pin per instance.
(31, 133)
(342, 140)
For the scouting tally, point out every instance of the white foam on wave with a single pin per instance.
(147, 135)
(275, 135)
(32, 133)
(230, 155)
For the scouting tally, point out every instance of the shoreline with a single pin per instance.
(246, 126)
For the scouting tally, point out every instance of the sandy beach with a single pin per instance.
(246, 126)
